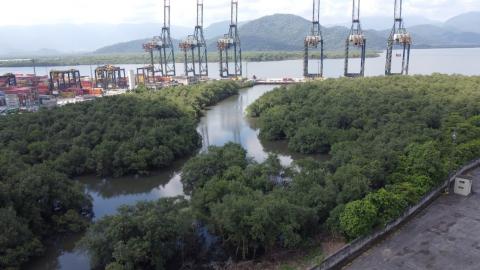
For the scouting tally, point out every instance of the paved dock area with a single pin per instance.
(445, 235)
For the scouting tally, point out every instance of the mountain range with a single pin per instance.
(281, 32)
(72, 38)
(467, 22)
(285, 32)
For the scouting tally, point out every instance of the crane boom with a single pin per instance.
(398, 39)
(313, 42)
(199, 13)
(316, 18)
(356, 11)
(194, 48)
(398, 10)
(166, 13)
(229, 47)
(167, 53)
(234, 13)
(355, 39)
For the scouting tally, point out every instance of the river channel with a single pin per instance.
(223, 123)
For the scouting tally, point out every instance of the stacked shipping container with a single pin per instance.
(18, 90)
(2, 99)
(28, 88)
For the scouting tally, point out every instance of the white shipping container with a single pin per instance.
(12, 101)
(131, 80)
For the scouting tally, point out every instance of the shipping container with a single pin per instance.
(76, 91)
(43, 91)
(93, 91)
(87, 84)
(12, 101)
(2, 99)
(19, 90)
(163, 79)
(64, 94)
(97, 92)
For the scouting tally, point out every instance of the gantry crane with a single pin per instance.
(194, 48)
(64, 79)
(167, 54)
(147, 73)
(355, 39)
(163, 46)
(230, 49)
(110, 77)
(401, 39)
(312, 42)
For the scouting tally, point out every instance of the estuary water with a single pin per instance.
(223, 123)
(425, 61)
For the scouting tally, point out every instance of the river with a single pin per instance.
(223, 123)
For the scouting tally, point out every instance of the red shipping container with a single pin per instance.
(19, 90)
(86, 84)
(76, 91)
(43, 91)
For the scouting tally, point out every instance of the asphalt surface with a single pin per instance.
(445, 235)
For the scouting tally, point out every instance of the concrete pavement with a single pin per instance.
(444, 236)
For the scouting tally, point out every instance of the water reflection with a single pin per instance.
(222, 124)
(62, 254)
(168, 187)
(109, 194)
(227, 122)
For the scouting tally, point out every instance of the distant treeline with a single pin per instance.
(142, 58)
(111, 136)
(390, 140)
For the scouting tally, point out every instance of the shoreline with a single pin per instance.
(140, 58)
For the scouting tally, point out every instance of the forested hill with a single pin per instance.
(285, 32)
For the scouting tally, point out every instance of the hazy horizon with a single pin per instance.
(52, 35)
(33, 12)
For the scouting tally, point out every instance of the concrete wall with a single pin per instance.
(357, 247)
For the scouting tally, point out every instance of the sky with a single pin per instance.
(34, 12)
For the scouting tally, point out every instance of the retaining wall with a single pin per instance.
(357, 247)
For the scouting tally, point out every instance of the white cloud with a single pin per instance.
(28, 12)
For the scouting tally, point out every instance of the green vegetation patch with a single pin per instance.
(194, 99)
(111, 136)
(390, 141)
(248, 208)
(119, 242)
(390, 138)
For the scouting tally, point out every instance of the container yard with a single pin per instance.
(29, 92)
